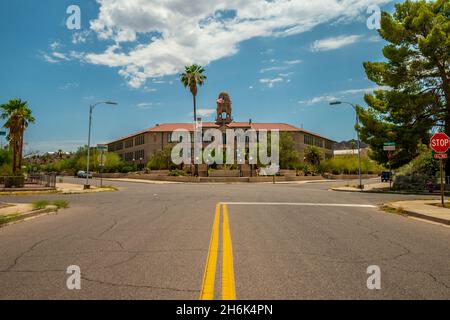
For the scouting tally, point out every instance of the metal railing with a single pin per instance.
(47, 180)
(29, 181)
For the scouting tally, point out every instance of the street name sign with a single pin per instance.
(440, 142)
(389, 146)
(102, 147)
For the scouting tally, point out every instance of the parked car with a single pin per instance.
(82, 174)
(386, 176)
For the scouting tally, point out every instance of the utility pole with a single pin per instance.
(91, 109)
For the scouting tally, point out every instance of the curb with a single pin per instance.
(391, 192)
(31, 215)
(420, 215)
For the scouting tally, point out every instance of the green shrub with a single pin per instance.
(177, 173)
(415, 175)
(14, 181)
(8, 218)
(40, 204)
(61, 204)
(349, 165)
(127, 169)
(161, 160)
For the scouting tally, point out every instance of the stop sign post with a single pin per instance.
(440, 143)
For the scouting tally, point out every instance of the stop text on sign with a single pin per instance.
(440, 143)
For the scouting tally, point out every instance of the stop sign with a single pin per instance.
(440, 142)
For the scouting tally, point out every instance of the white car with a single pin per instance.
(82, 174)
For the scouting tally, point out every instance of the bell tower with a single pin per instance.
(224, 109)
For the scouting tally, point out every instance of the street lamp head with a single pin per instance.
(111, 103)
(335, 103)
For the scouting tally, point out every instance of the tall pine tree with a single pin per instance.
(415, 80)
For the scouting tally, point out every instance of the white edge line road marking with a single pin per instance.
(301, 204)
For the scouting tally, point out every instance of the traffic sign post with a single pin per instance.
(102, 148)
(2, 134)
(440, 143)
(389, 147)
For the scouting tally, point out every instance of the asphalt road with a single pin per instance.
(298, 241)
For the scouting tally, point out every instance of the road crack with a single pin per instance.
(16, 260)
(128, 285)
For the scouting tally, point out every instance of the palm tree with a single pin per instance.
(18, 116)
(191, 78)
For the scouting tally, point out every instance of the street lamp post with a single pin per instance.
(334, 103)
(91, 109)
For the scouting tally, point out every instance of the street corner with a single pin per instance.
(73, 188)
(370, 187)
(429, 210)
(11, 213)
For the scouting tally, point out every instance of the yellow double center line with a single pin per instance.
(228, 282)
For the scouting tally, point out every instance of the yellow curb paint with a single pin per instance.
(207, 292)
(228, 282)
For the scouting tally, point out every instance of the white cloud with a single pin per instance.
(205, 113)
(292, 62)
(68, 86)
(145, 105)
(55, 45)
(55, 56)
(49, 59)
(286, 75)
(149, 90)
(271, 82)
(360, 91)
(319, 99)
(339, 95)
(81, 36)
(60, 56)
(211, 30)
(275, 68)
(287, 65)
(334, 42)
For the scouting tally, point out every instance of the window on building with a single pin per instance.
(129, 143)
(139, 140)
(129, 156)
(309, 140)
(138, 155)
(318, 142)
(329, 145)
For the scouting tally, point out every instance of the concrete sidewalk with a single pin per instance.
(424, 209)
(15, 208)
(371, 187)
(141, 181)
(72, 188)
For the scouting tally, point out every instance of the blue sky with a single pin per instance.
(280, 61)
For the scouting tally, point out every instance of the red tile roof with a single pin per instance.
(169, 127)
